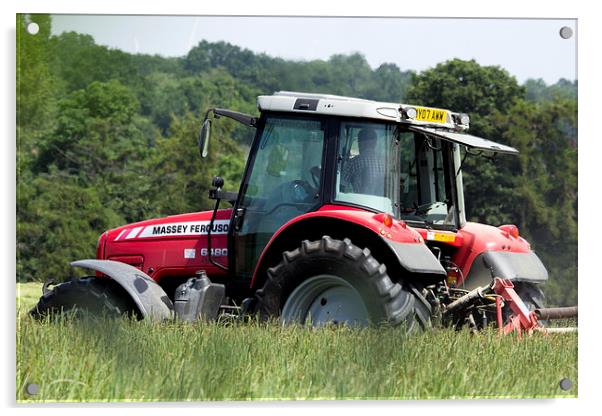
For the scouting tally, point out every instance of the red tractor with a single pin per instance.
(350, 211)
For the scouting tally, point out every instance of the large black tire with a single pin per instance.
(339, 261)
(423, 311)
(87, 296)
(531, 295)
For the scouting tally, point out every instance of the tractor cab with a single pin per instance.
(313, 151)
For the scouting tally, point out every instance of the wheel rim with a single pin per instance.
(325, 299)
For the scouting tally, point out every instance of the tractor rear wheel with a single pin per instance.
(333, 281)
(87, 296)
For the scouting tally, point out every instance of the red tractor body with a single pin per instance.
(169, 247)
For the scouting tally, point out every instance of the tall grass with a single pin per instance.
(116, 360)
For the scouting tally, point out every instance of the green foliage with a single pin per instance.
(180, 179)
(35, 89)
(537, 90)
(95, 132)
(60, 219)
(467, 87)
(105, 137)
(544, 185)
(390, 84)
(77, 61)
(341, 74)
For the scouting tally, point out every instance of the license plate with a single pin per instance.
(431, 115)
(442, 237)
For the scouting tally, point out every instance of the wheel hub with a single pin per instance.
(325, 299)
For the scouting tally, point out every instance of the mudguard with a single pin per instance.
(405, 243)
(152, 301)
(516, 267)
(416, 258)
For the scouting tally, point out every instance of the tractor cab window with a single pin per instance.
(367, 166)
(287, 168)
(386, 168)
(426, 193)
(284, 181)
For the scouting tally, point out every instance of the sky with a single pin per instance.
(527, 48)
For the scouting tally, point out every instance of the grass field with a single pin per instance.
(125, 360)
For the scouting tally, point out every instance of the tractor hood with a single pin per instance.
(472, 142)
(169, 246)
(175, 226)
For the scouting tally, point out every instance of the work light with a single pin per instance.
(410, 112)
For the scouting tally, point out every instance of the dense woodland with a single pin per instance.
(106, 137)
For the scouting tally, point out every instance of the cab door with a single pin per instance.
(282, 181)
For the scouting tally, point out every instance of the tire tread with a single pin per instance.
(87, 293)
(396, 303)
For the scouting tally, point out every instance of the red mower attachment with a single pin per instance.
(523, 319)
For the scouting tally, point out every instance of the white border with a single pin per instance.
(435, 8)
(589, 96)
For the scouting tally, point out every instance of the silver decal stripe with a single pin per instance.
(184, 228)
(133, 233)
(120, 234)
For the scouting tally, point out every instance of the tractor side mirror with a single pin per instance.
(217, 182)
(204, 136)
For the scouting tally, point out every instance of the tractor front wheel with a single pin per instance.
(333, 281)
(87, 296)
(531, 295)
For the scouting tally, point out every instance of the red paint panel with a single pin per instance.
(479, 238)
(399, 231)
(179, 246)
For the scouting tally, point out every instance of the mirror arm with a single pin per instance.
(231, 197)
(217, 184)
(242, 118)
(204, 134)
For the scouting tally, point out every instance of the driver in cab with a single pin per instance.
(365, 172)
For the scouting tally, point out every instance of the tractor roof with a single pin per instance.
(287, 101)
(438, 122)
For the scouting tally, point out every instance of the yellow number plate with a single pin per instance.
(431, 115)
(443, 237)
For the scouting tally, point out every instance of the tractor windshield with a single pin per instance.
(389, 169)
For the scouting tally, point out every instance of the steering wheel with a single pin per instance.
(298, 191)
(291, 194)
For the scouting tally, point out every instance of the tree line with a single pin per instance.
(105, 137)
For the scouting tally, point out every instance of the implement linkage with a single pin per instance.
(477, 307)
